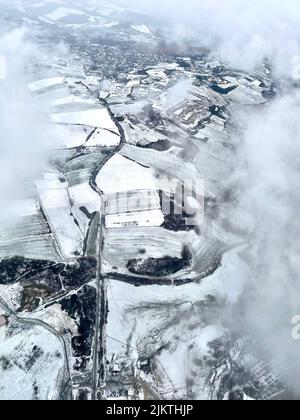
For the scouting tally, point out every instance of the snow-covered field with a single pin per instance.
(57, 201)
(72, 100)
(62, 12)
(51, 83)
(78, 120)
(154, 241)
(54, 316)
(26, 232)
(71, 136)
(142, 28)
(143, 320)
(39, 247)
(121, 174)
(137, 219)
(103, 138)
(30, 364)
(94, 117)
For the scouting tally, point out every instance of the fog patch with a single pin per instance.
(26, 134)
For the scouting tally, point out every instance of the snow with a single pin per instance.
(229, 280)
(247, 95)
(139, 134)
(157, 73)
(166, 162)
(206, 336)
(52, 192)
(62, 12)
(83, 194)
(93, 117)
(71, 136)
(155, 241)
(103, 138)
(25, 232)
(11, 295)
(176, 94)
(71, 100)
(141, 28)
(56, 318)
(34, 247)
(177, 363)
(149, 317)
(121, 174)
(43, 19)
(25, 207)
(130, 108)
(111, 24)
(19, 380)
(56, 204)
(140, 219)
(46, 83)
(61, 204)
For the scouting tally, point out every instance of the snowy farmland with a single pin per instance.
(61, 205)
(77, 120)
(155, 242)
(121, 176)
(46, 84)
(167, 322)
(99, 118)
(31, 362)
(62, 12)
(27, 232)
(86, 129)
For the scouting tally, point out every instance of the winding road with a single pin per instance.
(99, 351)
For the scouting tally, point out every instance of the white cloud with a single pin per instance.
(269, 189)
(26, 134)
(245, 32)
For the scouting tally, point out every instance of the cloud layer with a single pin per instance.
(243, 32)
(269, 189)
(26, 134)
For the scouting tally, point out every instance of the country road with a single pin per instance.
(99, 351)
